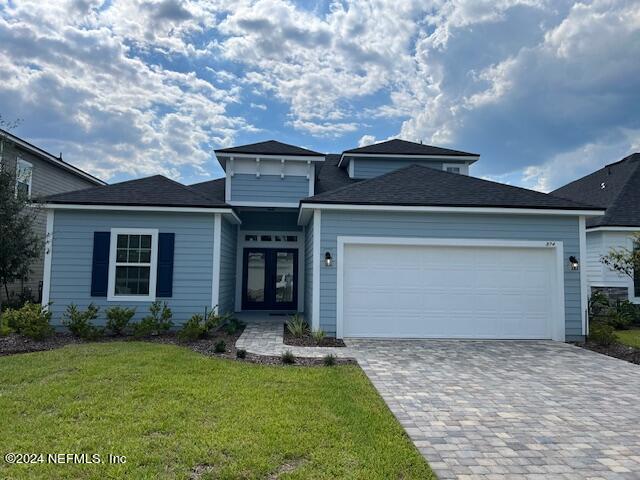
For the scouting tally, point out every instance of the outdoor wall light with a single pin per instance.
(328, 261)
(573, 263)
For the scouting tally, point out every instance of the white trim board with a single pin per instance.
(461, 158)
(134, 208)
(264, 204)
(215, 269)
(302, 217)
(153, 267)
(584, 293)
(301, 158)
(48, 251)
(315, 313)
(614, 229)
(558, 327)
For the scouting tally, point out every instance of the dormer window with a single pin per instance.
(452, 168)
(24, 177)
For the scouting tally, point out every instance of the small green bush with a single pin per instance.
(241, 353)
(629, 312)
(118, 318)
(31, 320)
(220, 347)
(297, 325)
(602, 334)
(158, 321)
(79, 322)
(5, 329)
(329, 360)
(193, 329)
(288, 358)
(318, 336)
(232, 325)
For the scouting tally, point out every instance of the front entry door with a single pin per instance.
(270, 279)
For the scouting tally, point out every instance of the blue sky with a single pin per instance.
(545, 91)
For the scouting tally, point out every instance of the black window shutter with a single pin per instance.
(100, 265)
(164, 283)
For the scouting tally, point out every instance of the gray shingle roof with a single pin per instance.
(214, 189)
(403, 147)
(620, 195)
(270, 147)
(150, 191)
(424, 186)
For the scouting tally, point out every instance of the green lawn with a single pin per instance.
(629, 337)
(175, 413)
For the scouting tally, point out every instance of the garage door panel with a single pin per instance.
(440, 291)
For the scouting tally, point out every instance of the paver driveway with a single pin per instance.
(506, 409)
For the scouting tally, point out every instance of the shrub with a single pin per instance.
(297, 325)
(158, 321)
(630, 312)
(318, 336)
(220, 347)
(329, 360)
(79, 322)
(31, 320)
(602, 333)
(118, 318)
(232, 325)
(241, 353)
(288, 358)
(5, 329)
(193, 329)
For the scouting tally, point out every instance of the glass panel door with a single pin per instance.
(255, 270)
(284, 277)
(270, 279)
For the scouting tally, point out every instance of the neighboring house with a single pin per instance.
(38, 173)
(380, 241)
(615, 187)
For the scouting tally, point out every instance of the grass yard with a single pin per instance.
(177, 414)
(630, 337)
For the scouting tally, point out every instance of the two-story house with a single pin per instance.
(37, 174)
(394, 239)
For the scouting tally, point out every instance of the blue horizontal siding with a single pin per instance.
(373, 167)
(268, 188)
(308, 270)
(228, 248)
(440, 225)
(72, 252)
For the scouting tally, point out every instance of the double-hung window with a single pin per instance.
(133, 264)
(24, 177)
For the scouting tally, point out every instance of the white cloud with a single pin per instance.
(366, 140)
(70, 75)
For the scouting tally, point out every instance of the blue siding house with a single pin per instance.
(395, 239)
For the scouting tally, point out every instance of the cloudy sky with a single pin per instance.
(544, 90)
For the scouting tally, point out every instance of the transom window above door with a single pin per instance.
(276, 237)
(132, 264)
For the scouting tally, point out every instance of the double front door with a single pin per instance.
(270, 279)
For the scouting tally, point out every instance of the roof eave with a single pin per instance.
(469, 158)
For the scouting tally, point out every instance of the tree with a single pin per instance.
(19, 242)
(624, 260)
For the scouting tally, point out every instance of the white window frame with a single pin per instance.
(23, 164)
(459, 166)
(111, 296)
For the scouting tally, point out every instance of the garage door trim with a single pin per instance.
(558, 309)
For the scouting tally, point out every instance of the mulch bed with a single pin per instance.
(308, 341)
(14, 344)
(617, 350)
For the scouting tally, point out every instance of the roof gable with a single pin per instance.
(271, 147)
(149, 191)
(417, 185)
(615, 187)
(404, 147)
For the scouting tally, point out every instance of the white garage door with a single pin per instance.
(448, 292)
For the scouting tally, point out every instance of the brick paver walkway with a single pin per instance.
(510, 409)
(265, 337)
